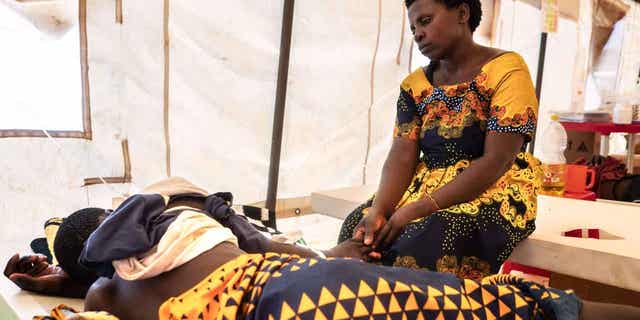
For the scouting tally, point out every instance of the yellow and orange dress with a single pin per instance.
(281, 287)
(284, 287)
(450, 124)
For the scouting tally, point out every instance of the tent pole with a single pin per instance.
(541, 57)
(281, 95)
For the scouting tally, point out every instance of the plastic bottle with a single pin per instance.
(553, 144)
(623, 113)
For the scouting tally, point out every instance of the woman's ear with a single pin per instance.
(464, 13)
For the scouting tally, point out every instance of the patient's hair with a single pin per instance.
(475, 9)
(70, 239)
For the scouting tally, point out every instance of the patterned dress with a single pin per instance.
(450, 124)
(283, 287)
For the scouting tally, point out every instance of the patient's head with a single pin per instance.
(70, 239)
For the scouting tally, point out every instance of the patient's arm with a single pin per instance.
(252, 241)
(34, 273)
(346, 249)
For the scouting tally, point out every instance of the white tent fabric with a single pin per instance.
(328, 96)
(53, 18)
(223, 72)
(223, 77)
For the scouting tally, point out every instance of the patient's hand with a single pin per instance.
(350, 249)
(34, 273)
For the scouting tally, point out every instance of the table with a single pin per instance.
(613, 260)
(605, 129)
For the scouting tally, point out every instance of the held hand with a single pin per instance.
(350, 249)
(369, 225)
(394, 227)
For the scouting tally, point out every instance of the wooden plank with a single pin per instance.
(594, 291)
(84, 66)
(290, 207)
(119, 18)
(109, 180)
(126, 178)
(127, 159)
(28, 133)
(340, 202)
(611, 262)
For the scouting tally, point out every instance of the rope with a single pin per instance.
(404, 18)
(371, 97)
(167, 137)
(63, 155)
(410, 57)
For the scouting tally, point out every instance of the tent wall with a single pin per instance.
(223, 77)
(328, 96)
(222, 69)
(566, 61)
(630, 66)
(223, 64)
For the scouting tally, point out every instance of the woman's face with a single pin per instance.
(437, 28)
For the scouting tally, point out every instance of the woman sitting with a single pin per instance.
(458, 191)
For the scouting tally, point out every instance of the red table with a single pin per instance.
(605, 129)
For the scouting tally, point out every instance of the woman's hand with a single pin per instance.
(369, 225)
(392, 229)
(350, 249)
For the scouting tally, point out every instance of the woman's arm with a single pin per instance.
(397, 172)
(398, 169)
(500, 151)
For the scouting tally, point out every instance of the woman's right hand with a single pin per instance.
(369, 226)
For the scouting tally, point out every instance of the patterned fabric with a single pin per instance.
(287, 287)
(450, 124)
(63, 312)
(230, 292)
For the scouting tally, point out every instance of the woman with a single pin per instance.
(457, 191)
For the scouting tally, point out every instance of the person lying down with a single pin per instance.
(194, 269)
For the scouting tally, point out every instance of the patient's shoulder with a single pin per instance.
(100, 295)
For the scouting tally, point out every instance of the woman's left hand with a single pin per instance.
(396, 223)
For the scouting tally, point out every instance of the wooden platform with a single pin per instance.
(611, 262)
(340, 202)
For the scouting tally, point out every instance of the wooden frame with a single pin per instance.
(126, 178)
(86, 132)
(119, 18)
(167, 83)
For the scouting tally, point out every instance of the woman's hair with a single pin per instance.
(474, 6)
(70, 239)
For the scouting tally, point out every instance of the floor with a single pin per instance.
(317, 230)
